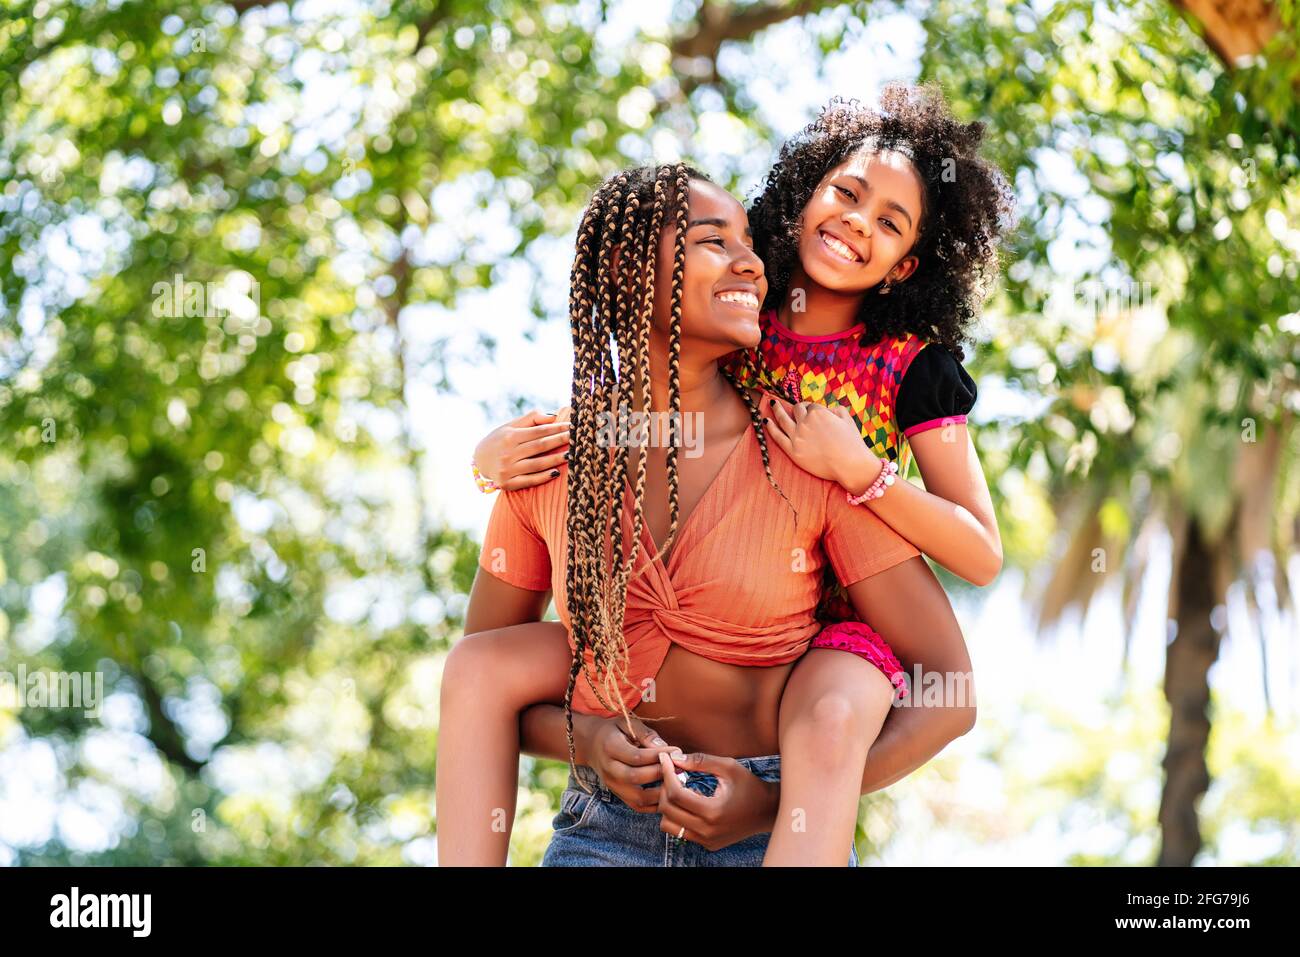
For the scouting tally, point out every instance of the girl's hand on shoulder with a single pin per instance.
(526, 451)
(820, 440)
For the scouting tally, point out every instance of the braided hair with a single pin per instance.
(614, 302)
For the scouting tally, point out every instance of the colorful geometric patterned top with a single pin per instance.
(835, 370)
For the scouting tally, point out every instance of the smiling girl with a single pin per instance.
(880, 233)
(879, 230)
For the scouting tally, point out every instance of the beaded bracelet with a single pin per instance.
(888, 469)
(484, 483)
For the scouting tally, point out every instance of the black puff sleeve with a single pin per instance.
(935, 387)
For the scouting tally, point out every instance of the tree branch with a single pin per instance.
(412, 458)
(719, 22)
(163, 733)
(422, 27)
(435, 17)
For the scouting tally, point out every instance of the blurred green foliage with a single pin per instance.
(212, 497)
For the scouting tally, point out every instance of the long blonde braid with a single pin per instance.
(604, 303)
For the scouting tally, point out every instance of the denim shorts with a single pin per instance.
(599, 830)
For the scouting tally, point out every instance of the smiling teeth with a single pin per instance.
(839, 248)
(743, 298)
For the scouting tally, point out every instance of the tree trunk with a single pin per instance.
(1187, 688)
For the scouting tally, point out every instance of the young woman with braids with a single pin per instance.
(701, 640)
(880, 232)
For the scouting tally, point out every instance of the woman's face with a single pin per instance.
(723, 283)
(861, 221)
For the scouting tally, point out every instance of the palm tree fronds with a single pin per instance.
(1090, 557)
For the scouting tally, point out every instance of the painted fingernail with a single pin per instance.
(566, 455)
(658, 741)
(555, 471)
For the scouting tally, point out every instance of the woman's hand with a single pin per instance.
(525, 451)
(625, 763)
(743, 804)
(820, 440)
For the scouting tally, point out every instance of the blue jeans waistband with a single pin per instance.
(763, 765)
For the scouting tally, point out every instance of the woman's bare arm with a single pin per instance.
(909, 608)
(496, 604)
(541, 733)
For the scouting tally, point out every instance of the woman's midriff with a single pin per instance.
(705, 705)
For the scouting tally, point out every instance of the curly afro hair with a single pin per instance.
(967, 207)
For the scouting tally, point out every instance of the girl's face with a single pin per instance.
(723, 282)
(860, 223)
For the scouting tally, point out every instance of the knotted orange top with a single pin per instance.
(742, 581)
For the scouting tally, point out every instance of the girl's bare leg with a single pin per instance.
(488, 679)
(832, 710)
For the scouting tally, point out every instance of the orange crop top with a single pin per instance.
(742, 583)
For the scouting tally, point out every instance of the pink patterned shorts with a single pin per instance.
(860, 639)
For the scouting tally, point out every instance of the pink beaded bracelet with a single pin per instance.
(888, 469)
(484, 483)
